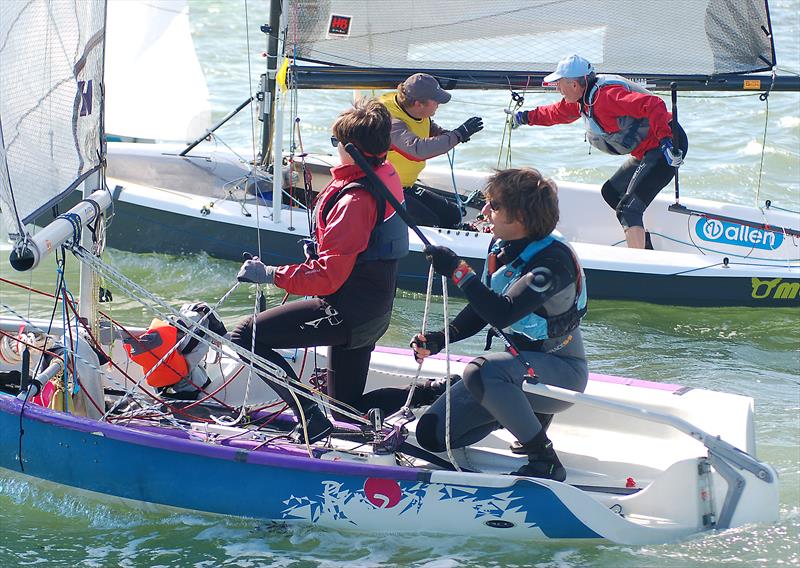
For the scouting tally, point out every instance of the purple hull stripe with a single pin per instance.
(640, 383)
(12, 405)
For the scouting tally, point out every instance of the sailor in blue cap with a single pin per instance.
(621, 117)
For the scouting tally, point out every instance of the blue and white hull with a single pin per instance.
(275, 486)
(630, 479)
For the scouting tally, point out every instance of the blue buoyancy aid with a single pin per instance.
(631, 130)
(534, 326)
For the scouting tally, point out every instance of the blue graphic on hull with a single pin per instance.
(722, 232)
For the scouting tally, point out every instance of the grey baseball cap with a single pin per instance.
(424, 87)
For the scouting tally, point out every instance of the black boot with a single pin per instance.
(544, 420)
(542, 460)
(317, 425)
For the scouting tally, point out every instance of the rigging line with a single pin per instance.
(163, 359)
(686, 96)
(518, 101)
(764, 97)
(451, 157)
(787, 70)
(211, 395)
(695, 269)
(405, 411)
(127, 376)
(308, 187)
(68, 346)
(267, 371)
(448, 386)
(33, 327)
(222, 420)
(77, 383)
(253, 126)
(771, 205)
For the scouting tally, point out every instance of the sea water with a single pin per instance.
(739, 350)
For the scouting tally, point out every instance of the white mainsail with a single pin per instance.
(51, 97)
(155, 87)
(679, 37)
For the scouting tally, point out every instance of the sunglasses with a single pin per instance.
(494, 205)
(334, 141)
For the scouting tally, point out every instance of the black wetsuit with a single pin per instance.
(490, 396)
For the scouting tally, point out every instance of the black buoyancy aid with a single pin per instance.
(389, 237)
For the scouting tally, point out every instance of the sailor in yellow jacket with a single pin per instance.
(415, 138)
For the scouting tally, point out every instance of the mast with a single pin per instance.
(267, 84)
(277, 134)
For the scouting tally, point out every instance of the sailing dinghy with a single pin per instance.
(646, 462)
(204, 197)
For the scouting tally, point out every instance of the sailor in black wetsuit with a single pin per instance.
(534, 289)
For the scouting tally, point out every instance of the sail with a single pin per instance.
(155, 87)
(51, 71)
(678, 37)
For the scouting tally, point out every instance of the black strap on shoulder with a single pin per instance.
(579, 281)
(361, 183)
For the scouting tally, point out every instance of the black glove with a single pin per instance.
(310, 249)
(434, 342)
(470, 127)
(444, 260)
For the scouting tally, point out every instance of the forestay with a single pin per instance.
(51, 70)
(679, 37)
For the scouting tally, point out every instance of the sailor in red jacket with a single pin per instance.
(621, 117)
(352, 277)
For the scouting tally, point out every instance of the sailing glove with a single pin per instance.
(434, 342)
(517, 118)
(673, 156)
(256, 272)
(444, 260)
(470, 127)
(310, 249)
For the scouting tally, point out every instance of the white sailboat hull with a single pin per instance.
(177, 205)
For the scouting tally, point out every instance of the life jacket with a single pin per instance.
(632, 131)
(538, 326)
(148, 349)
(407, 168)
(185, 360)
(389, 237)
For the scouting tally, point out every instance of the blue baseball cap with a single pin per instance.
(571, 67)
